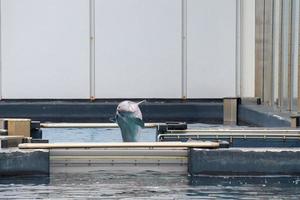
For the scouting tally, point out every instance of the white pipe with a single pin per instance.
(294, 50)
(276, 49)
(285, 23)
(238, 49)
(184, 49)
(92, 49)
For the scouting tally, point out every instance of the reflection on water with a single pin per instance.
(148, 185)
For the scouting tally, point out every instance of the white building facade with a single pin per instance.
(81, 49)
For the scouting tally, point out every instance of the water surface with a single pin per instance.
(100, 134)
(142, 185)
(148, 185)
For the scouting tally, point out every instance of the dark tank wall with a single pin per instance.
(204, 111)
(154, 110)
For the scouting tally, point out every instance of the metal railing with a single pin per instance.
(89, 125)
(232, 134)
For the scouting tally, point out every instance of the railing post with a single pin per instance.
(230, 109)
(295, 121)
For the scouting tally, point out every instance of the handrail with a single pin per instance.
(150, 145)
(233, 130)
(232, 135)
(89, 125)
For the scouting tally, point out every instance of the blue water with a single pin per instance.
(100, 134)
(91, 135)
(142, 185)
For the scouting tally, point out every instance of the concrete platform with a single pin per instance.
(244, 161)
(23, 162)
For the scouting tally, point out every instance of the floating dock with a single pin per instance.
(195, 158)
(131, 156)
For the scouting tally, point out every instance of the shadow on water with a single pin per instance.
(25, 180)
(244, 187)
(242, 180)
(148, 185)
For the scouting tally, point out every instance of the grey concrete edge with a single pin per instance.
(244, 161)
(262, 116)
(15, 162)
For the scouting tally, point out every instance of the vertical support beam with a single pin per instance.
(247, 48)
(290, 58)
(1, 76)
(183, 49)
(298, 95)
(276, 51)
(92, 49)
(294, 54)
(264, 50)
(230, 109)
(238, 49)
(259, 47)
(280, 59)
(268, 52)
(286, 56)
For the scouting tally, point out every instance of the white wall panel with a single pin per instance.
(211, 37)
(45, 48)
(138, 48)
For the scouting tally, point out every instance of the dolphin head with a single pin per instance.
(129, 108)
(129, 118)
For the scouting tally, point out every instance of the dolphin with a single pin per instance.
(130, 120)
